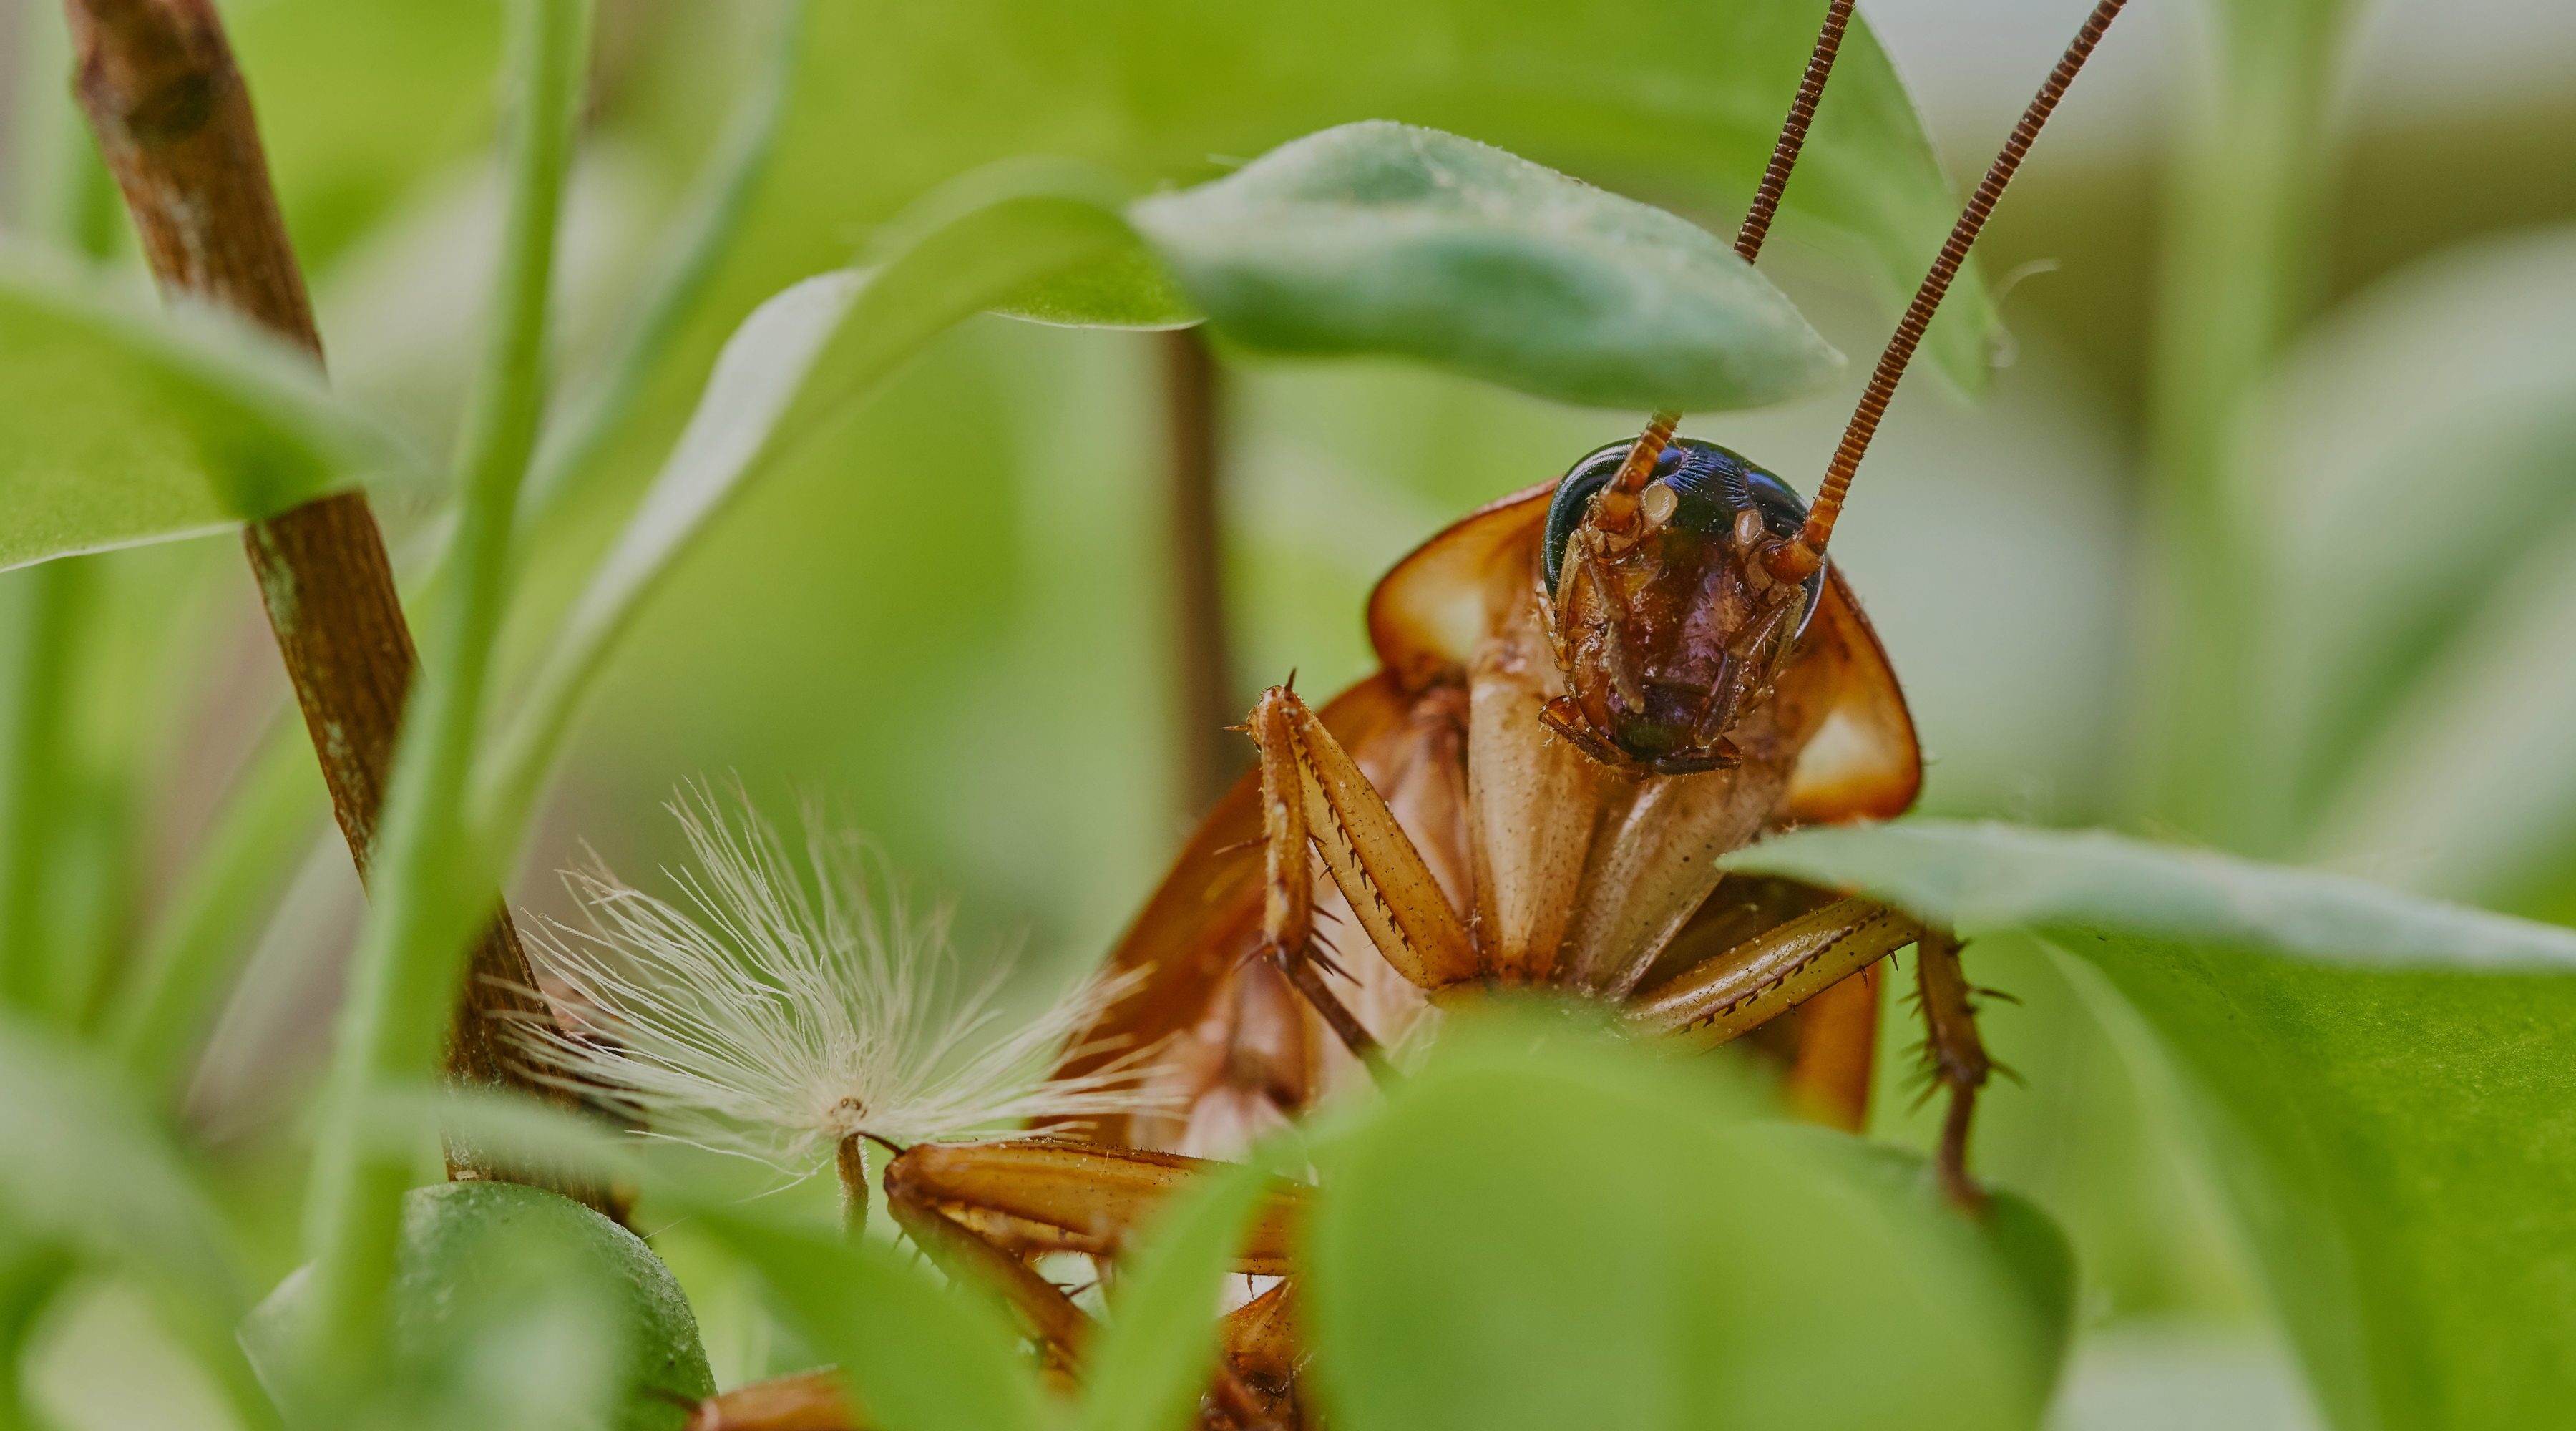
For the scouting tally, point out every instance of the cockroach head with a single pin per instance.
(1665, 618)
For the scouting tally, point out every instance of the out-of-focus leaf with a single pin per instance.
(693, 248)
(85, 1167)
(1546, 1232)
(1991, 875)
(126, 429)
(1127, 289)
(1384, 238)
(514, 1306)
(1150, 1366)
(194, 947)
(2397, 1133)
(1675, 103)
(918, 1356)
(806, 356)
(360, 99)
(86, 1171)
(2418, 620)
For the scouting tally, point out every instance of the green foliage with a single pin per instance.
(1379, 238)
(1536, 1230)
(2389, 1110)
(1544, 1231)
(515, 1307)
(1684, 100)
(124, 428)
(916, 1356)
(2386, 633)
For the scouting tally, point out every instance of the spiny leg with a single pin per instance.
(1955, 1055)
(1314, 794)
(1734, 992)
(982, 1210)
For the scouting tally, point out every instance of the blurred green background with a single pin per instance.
(950, 619)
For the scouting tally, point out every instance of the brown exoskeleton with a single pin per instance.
(1590, 691)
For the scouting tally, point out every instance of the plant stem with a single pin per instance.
(33, 797)
(1203, 694)
(174, 123)
(432, 885)
(718, 203)
(2240, 266)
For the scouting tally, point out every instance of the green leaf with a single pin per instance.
(86, 1170)
(1544, 1231)
(802, 359)
(1151, 1364)
(1675, 103)
(1125, 289)
(918, 1356)
(1383, 238)
(84, 1166)
(125, 429)
(513, 1306)
(2395, 1125)
(1990, 875)
(2387, 632)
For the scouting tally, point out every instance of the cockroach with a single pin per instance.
(1590, 691)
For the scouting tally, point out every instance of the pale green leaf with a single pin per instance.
(1678, 104)
(1980, 876)
(1124, 289)
(1541, 1231)
(84, 1169)
(2393, 1115)
(516, 1307)
(1384, 238)
(2414, 619)
(123, 427)
(803, 358)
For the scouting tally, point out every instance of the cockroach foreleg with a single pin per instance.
(983, 1210)
(1955, 1055)
(1049, 1317)
(806, 1401)
(1829, 1082)
(1314, 795)
(1742, 988)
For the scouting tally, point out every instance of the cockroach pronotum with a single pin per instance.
(1590, 690)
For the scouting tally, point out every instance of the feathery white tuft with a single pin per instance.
(773, 1019)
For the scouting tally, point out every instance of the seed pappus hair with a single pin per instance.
(771, 1015)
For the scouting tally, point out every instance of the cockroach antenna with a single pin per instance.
(1799, 558)
(1640, 466)
(1793, 133)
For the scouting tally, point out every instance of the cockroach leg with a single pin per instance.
(1346, 1026)
(1314, 795)
(1049, 1317)
(1955, 1055)
(806, 1401)
(1829, 1081)
(1744, 987)
(983, 1211)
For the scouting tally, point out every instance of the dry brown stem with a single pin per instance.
(174, 123)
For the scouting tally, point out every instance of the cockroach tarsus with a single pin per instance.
(1589, 691)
